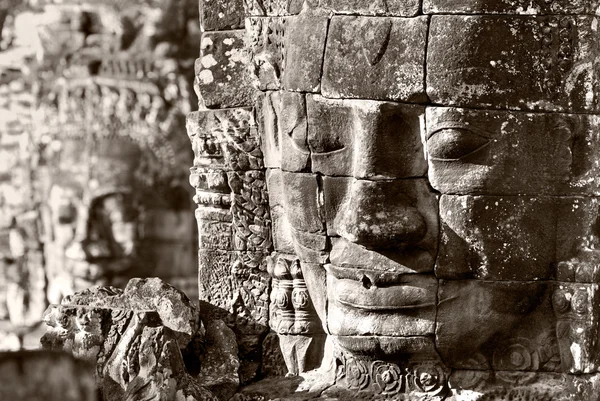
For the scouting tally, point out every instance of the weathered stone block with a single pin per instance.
(301, 194)
(510, 7)
(497, 238)
(219, 15)
(397, 219)
(220, 362)
(282, 236)
(375, 58)
(221, 77)
(273, 7)
(356, 308)
(365, 139)
(282, 125)
(237, 283)
(278, 60)
(400, 8)
(506, 326)
(577, 235)
(552, 52)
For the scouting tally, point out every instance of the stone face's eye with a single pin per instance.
(327, 143)
(454, 143)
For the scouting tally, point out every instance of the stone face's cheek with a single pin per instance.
(498, 325)
(375, 58)
(365, 139)
(481, 61)
(497, 238)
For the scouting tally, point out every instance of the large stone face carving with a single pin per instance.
(431, 175)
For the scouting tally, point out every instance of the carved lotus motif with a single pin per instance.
(357, 375)
(387, 377)
(429, 378)
(517, 354)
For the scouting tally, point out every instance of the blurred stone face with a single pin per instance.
(91, 224)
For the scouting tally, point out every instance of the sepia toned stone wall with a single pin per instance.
(430, 169)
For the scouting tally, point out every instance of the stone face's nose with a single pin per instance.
(380, 215)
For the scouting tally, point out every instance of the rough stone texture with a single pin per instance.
(367, 112)
(220, 363)
(221, 14)
(278, 61)
(553, 52)
(389, 51)
(135, 354)
(509, 326)
(45, 375)
(221, 77)
(510, 7)
(176, 311)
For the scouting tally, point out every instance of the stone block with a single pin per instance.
(396, 219)
(282, 125)
(365, 139)
(219, 15)
(497, 238)
(553, 52)
(577, 255)
(301, 197)
(273, 7)
(358, 308)
(221, 77)
(282, 236)
(376, 58)
(505, 326)
(237, 284)
(400, 8)
(278, 60)
(220, 363)
(525, 386)
(525, 7)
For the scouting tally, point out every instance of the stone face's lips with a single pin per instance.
(408, 292)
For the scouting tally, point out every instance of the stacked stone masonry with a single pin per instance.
(426, 170)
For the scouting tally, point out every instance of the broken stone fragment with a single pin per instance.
(176, 311)
(220, 363)
(135, 355)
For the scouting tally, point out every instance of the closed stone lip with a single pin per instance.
(380, 292)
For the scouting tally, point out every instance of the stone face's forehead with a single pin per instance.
(511, 6)
(482, 62)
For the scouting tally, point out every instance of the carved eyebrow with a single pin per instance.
(443, 125)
